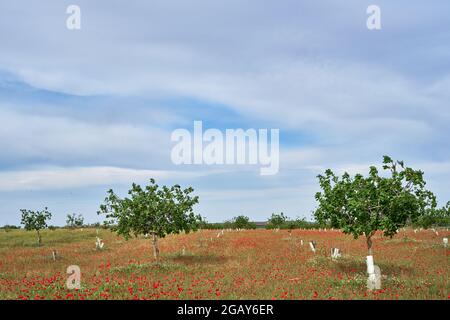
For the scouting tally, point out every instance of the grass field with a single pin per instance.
(258, 264)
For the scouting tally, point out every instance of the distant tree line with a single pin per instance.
(435, 218)
(439, 218)
(276, 221)
(280, 221)
(239, 222)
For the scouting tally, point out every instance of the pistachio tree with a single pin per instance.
(276, 221)
(74, 221)
(363, 205)
(151, 210)
(243, 222)
(35, 220)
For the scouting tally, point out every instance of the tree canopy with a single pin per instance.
(35, 220)
(74, 221)
(276, 221)
(153, 210)
(242, 222)
(362, 205)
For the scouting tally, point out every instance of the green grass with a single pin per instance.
(23, 238)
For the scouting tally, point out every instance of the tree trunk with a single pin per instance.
(155, 247)
(369, 244)
(39, 238)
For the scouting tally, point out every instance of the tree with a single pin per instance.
(303, 224)
(153, 210)
(74, 221)
(35, 220)
(437, 218)
(243, 222)
(362, 205)
(277, 221)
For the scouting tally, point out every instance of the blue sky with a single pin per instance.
(88, 110)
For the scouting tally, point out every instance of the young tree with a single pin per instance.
(277, 221)
(243, 222)
(74, 221)
(157, 211)
(35, 220)
(362, 205)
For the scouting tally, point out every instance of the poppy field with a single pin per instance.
(247, 264)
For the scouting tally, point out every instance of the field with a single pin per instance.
(257, 264)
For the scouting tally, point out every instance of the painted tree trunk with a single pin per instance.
(39, 238)
(155, 247)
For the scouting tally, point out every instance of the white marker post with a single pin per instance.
(312, 245)
(99, 244)
(335, 253)
(445, 241)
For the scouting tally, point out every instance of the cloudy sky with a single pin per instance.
(82, 111)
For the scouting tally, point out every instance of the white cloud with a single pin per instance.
(28, 137)
(62, 178)
(284, 68)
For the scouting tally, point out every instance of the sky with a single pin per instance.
(83, 111)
